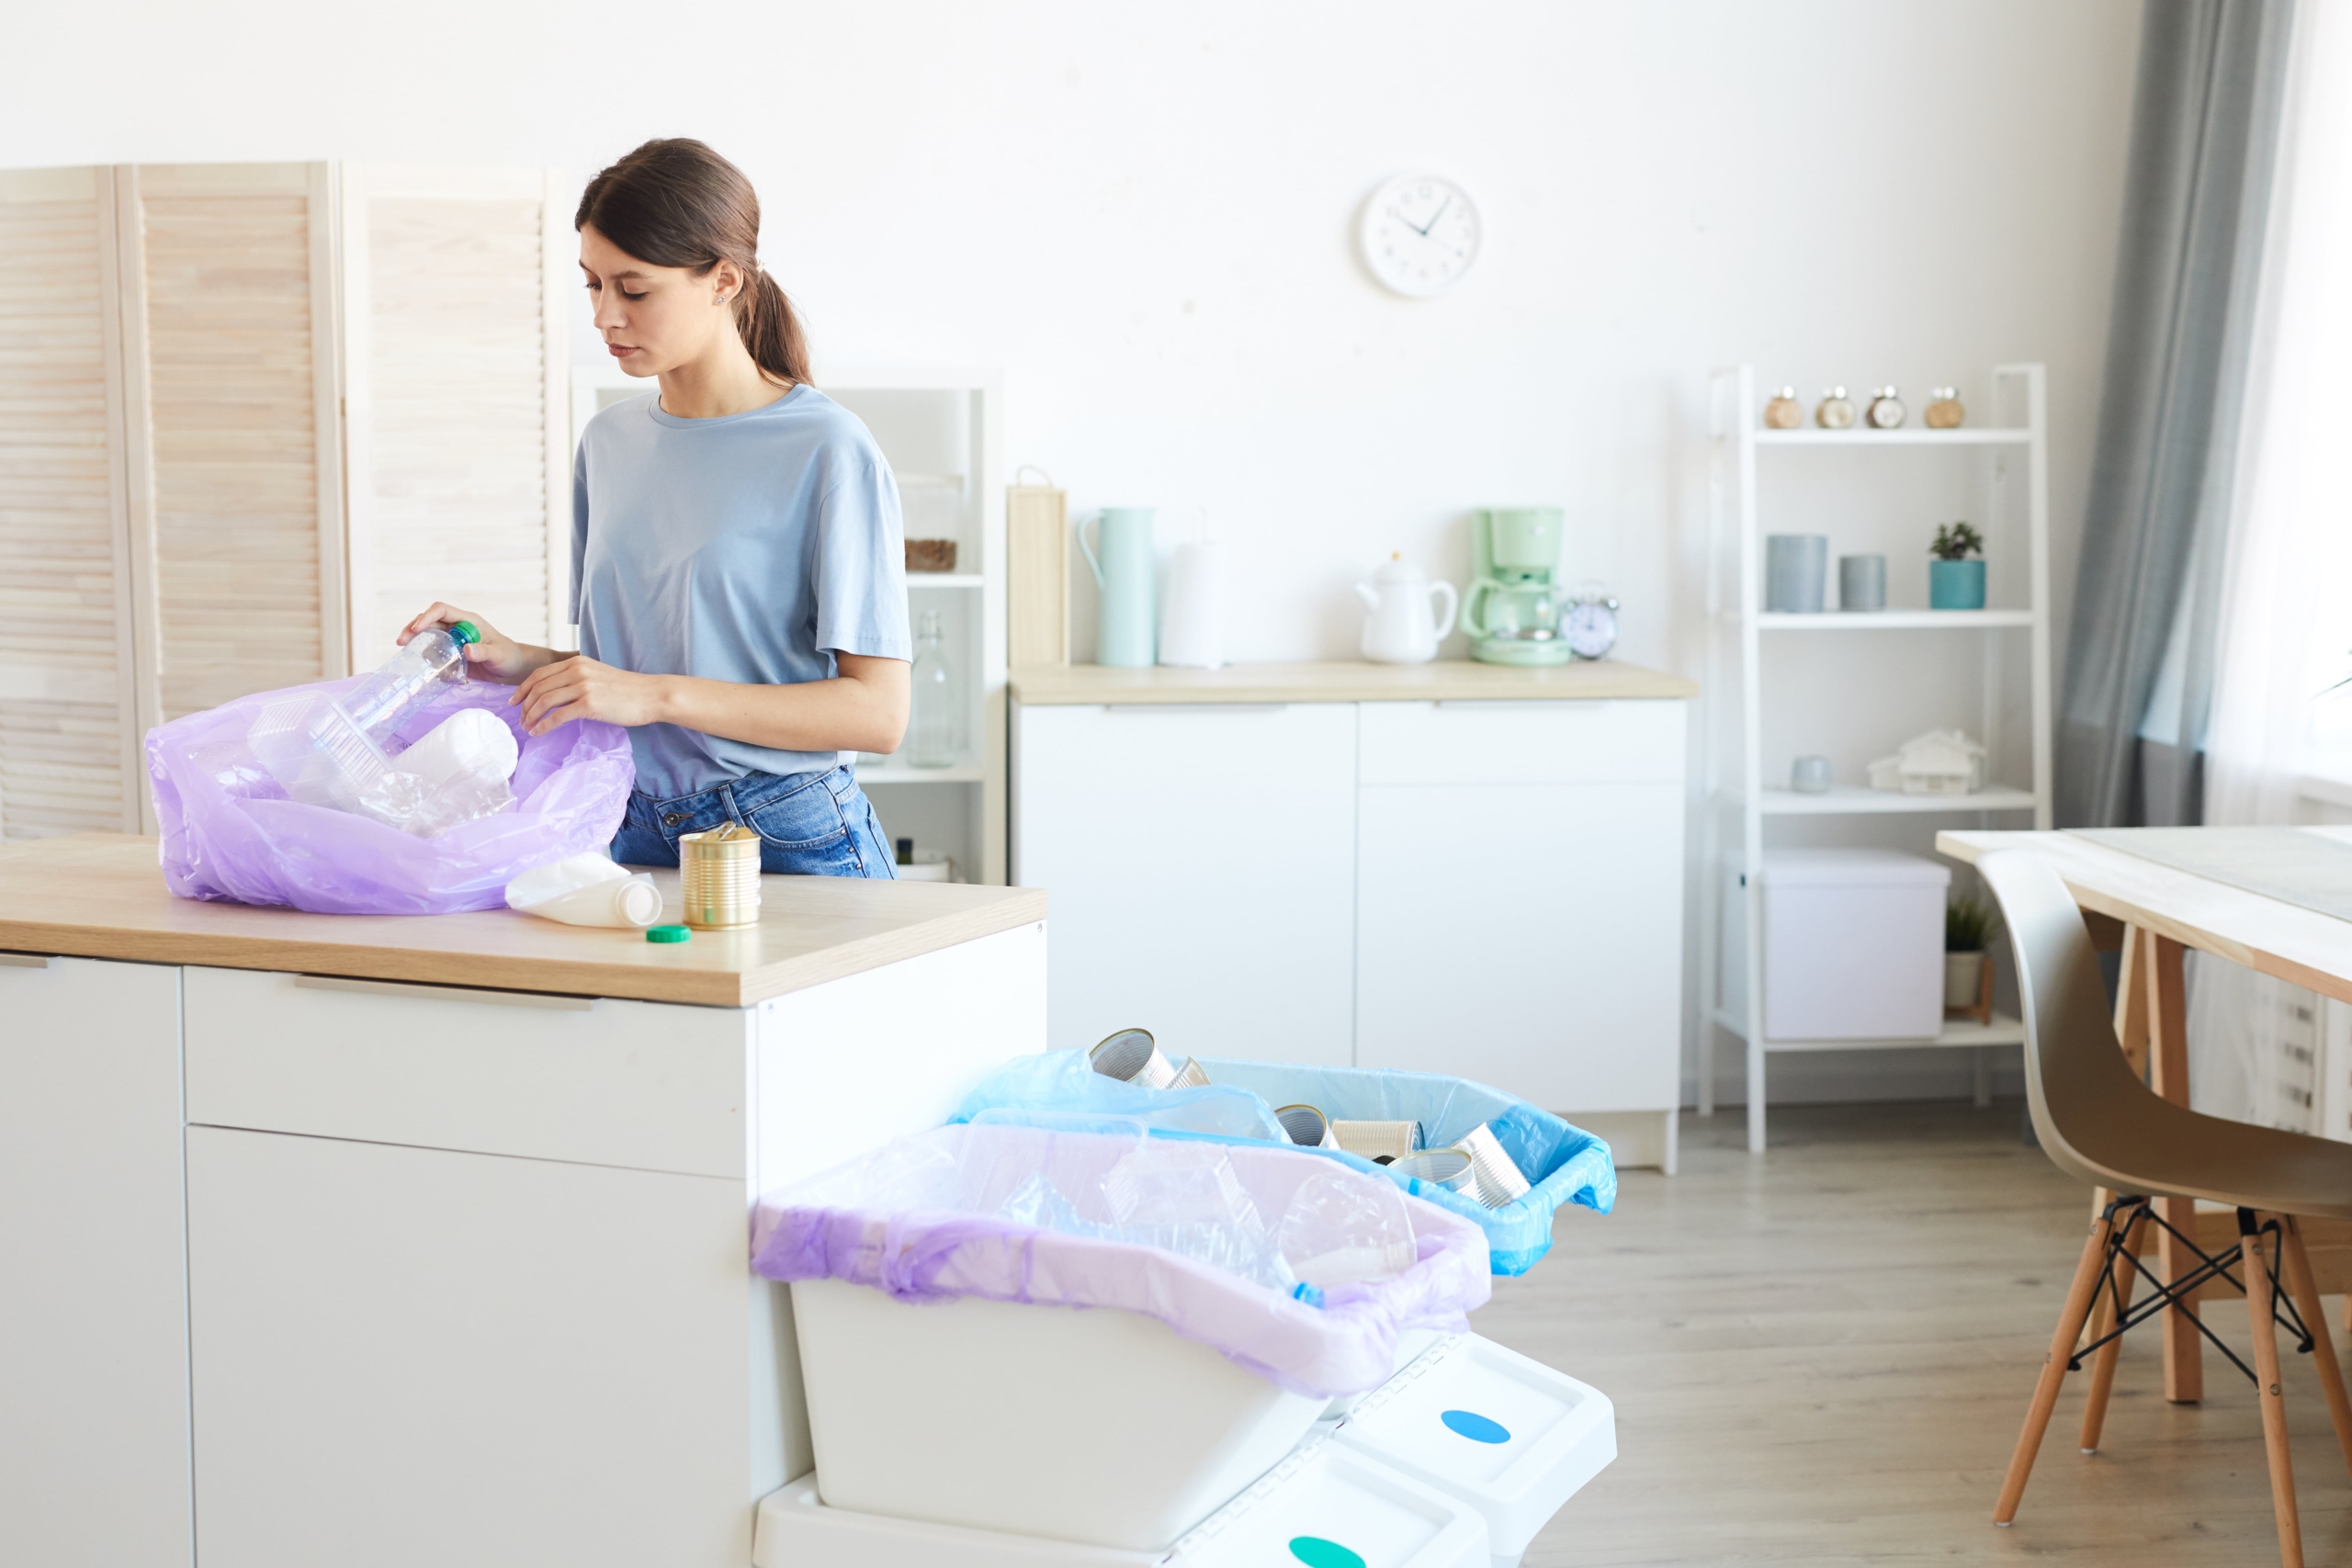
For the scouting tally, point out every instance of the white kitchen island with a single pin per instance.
(402, 1241)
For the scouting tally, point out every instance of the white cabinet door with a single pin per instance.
(1200, 866)
(94, 1440)
(1525, 934)
(409, 1355)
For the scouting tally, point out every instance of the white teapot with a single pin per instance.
(1400, 627)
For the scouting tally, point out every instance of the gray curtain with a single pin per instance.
(2197, 196)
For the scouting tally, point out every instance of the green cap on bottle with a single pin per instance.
(668, 933)
(465, 632)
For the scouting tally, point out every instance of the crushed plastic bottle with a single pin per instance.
(330, 751)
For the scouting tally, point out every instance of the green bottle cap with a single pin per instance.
(465, 632)
(668, 933)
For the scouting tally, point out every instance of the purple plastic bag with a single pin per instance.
(229, 833)
(918, 1219)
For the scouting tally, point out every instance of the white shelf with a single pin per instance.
(1871, 802)
(1958, 1033)
(1745, 676)
(966, 770)
(1890, 620)
(945, 580)
(1964, 436)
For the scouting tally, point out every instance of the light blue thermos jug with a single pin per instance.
(1124, 635)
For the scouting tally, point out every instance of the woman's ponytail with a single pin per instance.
(676, 203)
(770, 330)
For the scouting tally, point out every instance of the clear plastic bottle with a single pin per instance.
(331, 751)
(409, 678)
(932, 743)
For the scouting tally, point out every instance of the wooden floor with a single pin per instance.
(1821, 1356)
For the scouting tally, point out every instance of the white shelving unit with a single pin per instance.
(1737, 636)
(941, 431)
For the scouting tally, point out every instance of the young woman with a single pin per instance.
(737, 569)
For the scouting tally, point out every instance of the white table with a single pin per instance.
(2161, 913)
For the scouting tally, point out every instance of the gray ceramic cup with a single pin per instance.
(1810, 775)
(1861, 582)
(1796, 569)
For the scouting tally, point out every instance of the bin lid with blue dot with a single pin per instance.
(1503, 1433)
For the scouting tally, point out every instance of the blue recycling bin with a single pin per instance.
(1562, 1163)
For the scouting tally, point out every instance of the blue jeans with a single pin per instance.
(808, 824)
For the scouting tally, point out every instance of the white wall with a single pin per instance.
(1143, 216)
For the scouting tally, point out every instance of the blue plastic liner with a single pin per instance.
(1565, 1164)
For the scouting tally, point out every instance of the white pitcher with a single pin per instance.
(1400, 627)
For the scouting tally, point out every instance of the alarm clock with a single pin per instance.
(1589, 627)
(1887, 411)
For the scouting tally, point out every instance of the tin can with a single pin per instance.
(1449, 1168)
(1131, 1056)
(1498, 1179)
(1307, 1126)
(719, 876)
(1379, 1142)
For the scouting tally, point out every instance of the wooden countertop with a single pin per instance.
(102, 895)
(1449, 681)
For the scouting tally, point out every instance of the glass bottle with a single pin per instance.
(932, 743)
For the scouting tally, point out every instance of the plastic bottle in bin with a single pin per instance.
(330, 751)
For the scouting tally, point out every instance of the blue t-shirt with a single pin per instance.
(750, 547)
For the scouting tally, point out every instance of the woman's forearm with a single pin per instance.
(862, 709)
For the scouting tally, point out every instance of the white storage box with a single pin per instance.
(1853, 944)
(1506, 1435)
(1099, 1426)
(1324, 1504)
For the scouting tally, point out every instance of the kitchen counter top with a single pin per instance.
(1449, 681)
(102, 895)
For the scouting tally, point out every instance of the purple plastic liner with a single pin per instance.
(1345, 1347)
(228, 832)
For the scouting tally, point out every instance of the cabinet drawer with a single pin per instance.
(647, 1085)
(1529, 742)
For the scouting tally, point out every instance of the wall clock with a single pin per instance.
(1419, 235)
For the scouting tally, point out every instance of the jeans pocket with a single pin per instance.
(806, 817)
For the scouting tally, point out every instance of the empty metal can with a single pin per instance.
(719, 876)
(1379, 1142)
(1449, 1168)
(1307, 1125)
(1498, 1178)
(1131, 1056)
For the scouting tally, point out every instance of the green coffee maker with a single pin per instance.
(1512, 611)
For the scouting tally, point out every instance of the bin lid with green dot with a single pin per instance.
(668, 933)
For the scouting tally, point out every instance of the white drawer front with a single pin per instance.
(647, 1085)
(1529, 742)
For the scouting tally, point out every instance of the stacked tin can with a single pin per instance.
(719, 876)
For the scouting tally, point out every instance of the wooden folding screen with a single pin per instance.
(67, 702)
(252, 418)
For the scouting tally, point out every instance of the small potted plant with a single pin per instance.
(1968, 967)
(1954, 580)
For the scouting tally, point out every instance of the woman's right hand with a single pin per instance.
(496, 656)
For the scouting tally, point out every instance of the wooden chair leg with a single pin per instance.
(2303, 1287)
(2259, 1288)
(2167, 1007)
(2053, 1369)
(2103, 1317)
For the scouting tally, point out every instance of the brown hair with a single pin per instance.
(676, 203)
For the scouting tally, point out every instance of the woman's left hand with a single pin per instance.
(580, 687)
